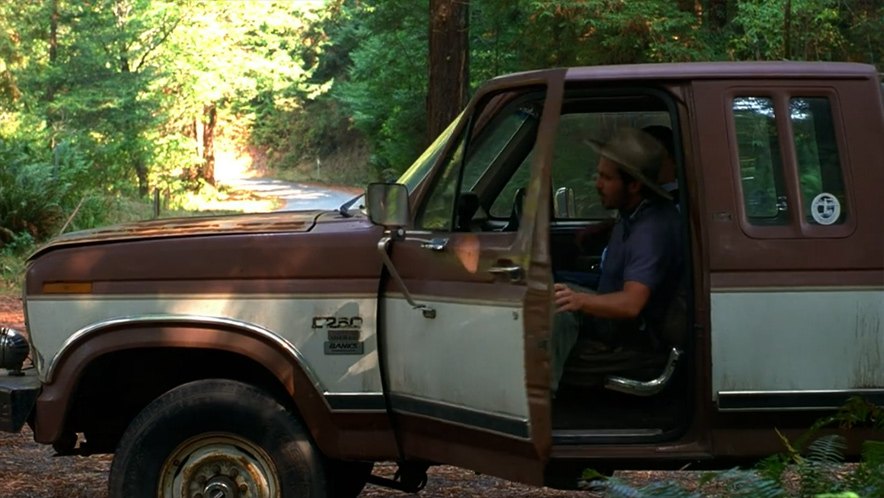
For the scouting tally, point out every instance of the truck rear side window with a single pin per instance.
(761, 168)
(817, 177)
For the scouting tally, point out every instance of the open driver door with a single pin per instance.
(466, 309)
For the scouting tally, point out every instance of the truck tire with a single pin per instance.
(216, 438)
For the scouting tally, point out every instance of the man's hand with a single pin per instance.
(567, 299)
(627, 303)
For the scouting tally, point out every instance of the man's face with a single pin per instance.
(609, 184)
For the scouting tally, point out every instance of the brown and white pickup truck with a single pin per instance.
(282, 354)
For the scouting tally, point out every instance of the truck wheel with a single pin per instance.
(216, 438)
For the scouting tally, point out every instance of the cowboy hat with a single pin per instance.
(637, 153)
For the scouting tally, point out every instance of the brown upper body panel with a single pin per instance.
(183, 227)
(244, 254)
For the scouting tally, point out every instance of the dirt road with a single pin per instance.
(294, 196)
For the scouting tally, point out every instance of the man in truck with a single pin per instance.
(643, 261)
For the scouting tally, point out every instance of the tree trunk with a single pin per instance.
(717, 14)
(141, 173)
(192, 172)
(787, 31)
(210, 115)
(53, 32)
(449, 63)
(53, 60)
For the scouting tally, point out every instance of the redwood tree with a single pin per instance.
(448, 63)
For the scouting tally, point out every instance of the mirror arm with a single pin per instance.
(383, 245)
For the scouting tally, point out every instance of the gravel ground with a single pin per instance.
(30, 470)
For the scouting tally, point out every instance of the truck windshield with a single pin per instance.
(417, 171)
(422, 166)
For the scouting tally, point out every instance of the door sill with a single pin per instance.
(603, 436)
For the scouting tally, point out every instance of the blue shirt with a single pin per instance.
(646, 247)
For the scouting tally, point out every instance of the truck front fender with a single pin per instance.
(339, 434)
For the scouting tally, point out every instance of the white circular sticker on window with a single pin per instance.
(825, 209)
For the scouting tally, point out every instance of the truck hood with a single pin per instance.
(284, 221)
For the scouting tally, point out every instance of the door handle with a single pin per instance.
(437, 244)
(511, 271)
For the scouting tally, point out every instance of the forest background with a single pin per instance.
(107, 106)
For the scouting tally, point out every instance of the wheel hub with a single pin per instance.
(219, 466)
(221, 487)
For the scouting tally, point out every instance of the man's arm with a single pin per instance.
(627, 303)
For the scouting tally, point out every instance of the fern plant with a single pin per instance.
(741, 483)
(820, 473)
(868, 477)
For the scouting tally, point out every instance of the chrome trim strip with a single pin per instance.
(182, 319)
(607, 436)
(793, 400)
(804, 288)
(447, 412)
(452, 300)
(204, 297)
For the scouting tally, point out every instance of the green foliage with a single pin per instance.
(816, 30)
(868, 478)
(495, 47)
(858, 412)
(121, 91)
(43, 191)
(816, 461)
(34, 192)
(309, 134)
(818, 472)
(386, 85)
(12, 262)
(611, 32)
(657, 490)
(773, 467)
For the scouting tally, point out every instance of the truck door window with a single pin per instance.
(437, 214)
(503, 205)
(761, 168)
(819, 168)
(501, 145)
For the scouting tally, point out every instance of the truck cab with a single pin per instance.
(416, 326)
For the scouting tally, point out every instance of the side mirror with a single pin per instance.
(387, 204)
(563, 203)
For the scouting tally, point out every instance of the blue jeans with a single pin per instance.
(565, 331)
